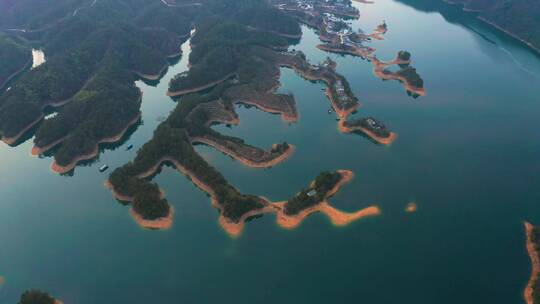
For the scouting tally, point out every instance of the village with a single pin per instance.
(329, 18)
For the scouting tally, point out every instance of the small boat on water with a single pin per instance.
(129, 147)
(103, 168)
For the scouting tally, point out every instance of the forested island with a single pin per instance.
(318, 191)
(93, 59)
(338, 37)
(35, 296)
(236, 55)
(314, 199)
(372, 128)
(232, 63)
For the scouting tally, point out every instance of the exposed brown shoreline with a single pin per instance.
(290, 36)
(379, 68)
(234, 229)
(248, 162)
(338, 218)
(199, 88)
(12, 140)
(162, 223)
(55, 167)
(285, 116)
(152, 77)
(411, 207)
(40, 150)
(381, 140)
(535, 262)
(342, 113)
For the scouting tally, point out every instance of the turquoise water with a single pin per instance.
(467, 154)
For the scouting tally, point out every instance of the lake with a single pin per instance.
(467, 153)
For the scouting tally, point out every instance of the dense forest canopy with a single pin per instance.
(15, 54)
(93, 50)
(34, 296)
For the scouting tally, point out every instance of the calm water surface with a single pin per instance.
(467, 154)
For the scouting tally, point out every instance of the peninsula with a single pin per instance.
(371, 127)
(231, 63)
(338, 37)
(89, 77)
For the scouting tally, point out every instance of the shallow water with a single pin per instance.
(467, 154)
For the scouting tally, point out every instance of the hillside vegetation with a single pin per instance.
(519, 17)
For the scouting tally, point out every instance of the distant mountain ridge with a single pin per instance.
(519, 18)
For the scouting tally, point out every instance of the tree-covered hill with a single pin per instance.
(521, 18)
(93, 53)
(15, 56)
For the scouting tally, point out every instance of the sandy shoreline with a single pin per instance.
(12, 140)
(285, 116)
(342, 113)
(40, 150)
(234, 229)
(289, 36)
(381, 140)
(199, 88)
(55, 167)
(535, 262)
(338, 218)
(162, 223)
(248, 162)
(152, 77)
(378, 68)
(411, 207)
(159, 223)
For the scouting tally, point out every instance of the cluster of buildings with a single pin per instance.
(374, 124)
(340, 90)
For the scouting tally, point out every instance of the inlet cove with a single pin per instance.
(296, 151)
